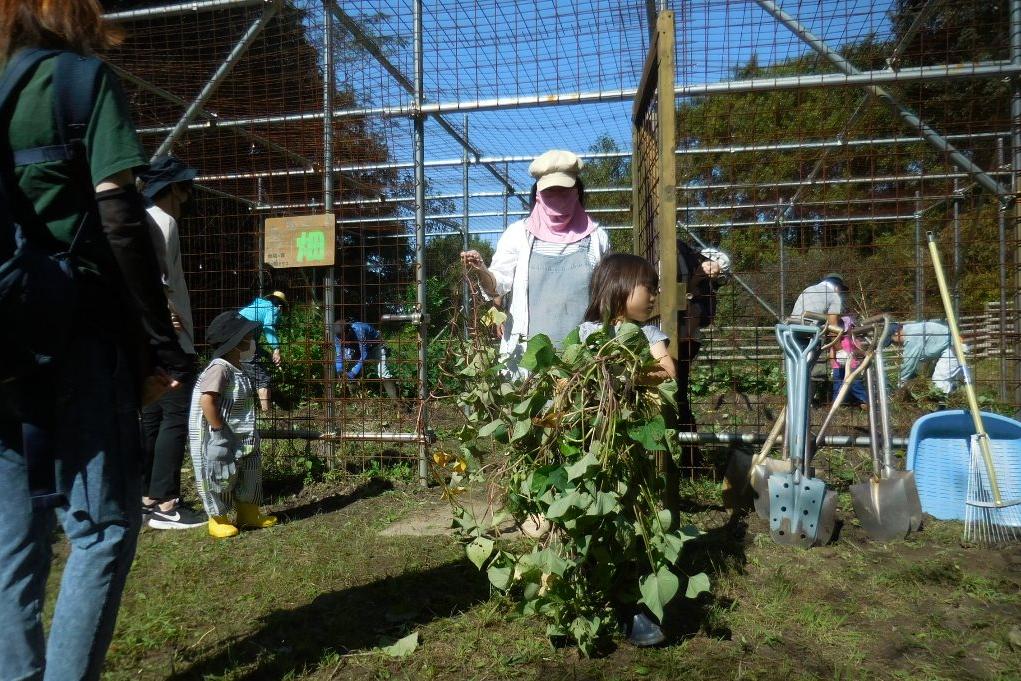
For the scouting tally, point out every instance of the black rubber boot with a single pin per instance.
(644, 631)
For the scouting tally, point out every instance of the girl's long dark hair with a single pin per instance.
(613, 280)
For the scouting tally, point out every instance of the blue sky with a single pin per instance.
(491, 48)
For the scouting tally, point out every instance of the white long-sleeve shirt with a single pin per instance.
(167, 243)
(510, 270)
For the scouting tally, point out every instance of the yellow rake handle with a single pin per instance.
(969, 389)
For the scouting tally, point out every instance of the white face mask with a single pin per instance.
(248, 354)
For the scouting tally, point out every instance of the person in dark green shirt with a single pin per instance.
(123, 349)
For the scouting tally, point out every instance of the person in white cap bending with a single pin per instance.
(545, 261)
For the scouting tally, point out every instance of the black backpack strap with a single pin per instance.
(15, 74)
(75, 87)
(17, 68)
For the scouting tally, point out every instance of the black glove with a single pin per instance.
(221, 459)
(122, 215)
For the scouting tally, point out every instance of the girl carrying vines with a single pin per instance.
(624, 289)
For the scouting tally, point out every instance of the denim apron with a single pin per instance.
(558, 291)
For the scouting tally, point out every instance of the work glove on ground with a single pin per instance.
(221, 460)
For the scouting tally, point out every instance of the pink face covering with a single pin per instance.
(558, 217)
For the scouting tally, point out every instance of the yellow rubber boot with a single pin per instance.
(220, 527)
(250, 517)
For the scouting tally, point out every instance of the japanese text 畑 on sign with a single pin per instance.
(300, 241)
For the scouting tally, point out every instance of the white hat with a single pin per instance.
(719, 257)
(556, 168)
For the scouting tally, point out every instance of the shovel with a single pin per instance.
(887, 504)
(765, 467)
(743, 482)
(801, 510)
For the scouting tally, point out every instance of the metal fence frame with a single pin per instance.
(992, 180)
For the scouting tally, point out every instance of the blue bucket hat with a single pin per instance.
(165, 171)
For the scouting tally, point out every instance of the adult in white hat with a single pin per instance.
(545, 261)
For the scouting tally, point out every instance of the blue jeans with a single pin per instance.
(857, 390)
(99, 472)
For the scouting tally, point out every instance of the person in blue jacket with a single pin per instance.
(265, 310)
(359, 343)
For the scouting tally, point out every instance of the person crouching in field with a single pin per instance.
(223, 440)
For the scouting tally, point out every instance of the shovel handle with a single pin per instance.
(774, 433)
(842, 393)
(969, 389)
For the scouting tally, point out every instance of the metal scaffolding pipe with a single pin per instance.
(420, 273)
(179, 9)
(495, 195)
(899, 442)
(837, 181)
(987, 69)
(219, 75)
(329, 282)
(242, 132)
(736, 277)
(1015, 166)
(909, 117)
(370, 46)
(824, 144)
(919, 271)
(451, 163)
(805, 221)
(1001, 224)
(348, 436)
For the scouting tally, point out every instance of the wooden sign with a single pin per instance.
(300, 241)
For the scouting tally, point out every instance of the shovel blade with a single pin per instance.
(914, 503)
(885, 508)
(760, 477)
(827, 519)
(781, 507)
(803, 513)
(809, 497)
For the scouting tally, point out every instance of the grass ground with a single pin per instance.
(316, 596)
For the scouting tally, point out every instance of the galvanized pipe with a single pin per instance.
(329, 283)
(910, 119)
(898, 442)
(241, 132)
(597, 190)
(178, 9)
(956, 291)
(360, 167)
(987, 69)
(597, 211)
(1015, 166)
(350, 436)
(736, 277)
(372, 48)
(919, 272)
(219, 75)
(420, 274)
(465, 242)
(1001, 221)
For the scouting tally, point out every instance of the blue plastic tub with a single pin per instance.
(939, 452)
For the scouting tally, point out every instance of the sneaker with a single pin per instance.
(180, 517)
(645, 632)
(147, 510)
